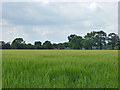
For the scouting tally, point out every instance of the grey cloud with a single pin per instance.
(60, 18)
(36, 14)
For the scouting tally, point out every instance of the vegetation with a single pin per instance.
(93, 40)
(59, 68)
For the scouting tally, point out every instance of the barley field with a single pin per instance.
(59, 68)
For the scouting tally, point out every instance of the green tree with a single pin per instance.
(18, 43)
(7, 45)
(30, 46)
(88, 42)
(60, 46)
(66, 45)
(75, 43)
(55, 46)
(118, 43)
(4, 45)
(100, 39)
(113, 40)
(71, 37)
(47, 45)
(37, 44)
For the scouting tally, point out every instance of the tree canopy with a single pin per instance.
(93, 40)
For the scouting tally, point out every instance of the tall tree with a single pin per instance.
(47, 45)
(113, 40)
(60, 46)
(71, 37)
(100, 39)
(55, 46)
(75, 42)
(30, 46)
(7, 45)
(118, 43)
(87, 44)
(18, 43)
(37, 44)
(66, 45)
(89, 40)
(4, 45)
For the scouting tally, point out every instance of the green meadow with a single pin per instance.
(59, 68)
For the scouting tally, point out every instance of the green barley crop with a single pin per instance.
(60, 69)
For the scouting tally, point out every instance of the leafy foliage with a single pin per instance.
(92, 40)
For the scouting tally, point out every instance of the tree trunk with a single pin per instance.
(91, 48)
(112, 47)
(119, 46)
(97, 47)
(100, 46)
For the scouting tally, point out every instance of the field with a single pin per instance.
(60, 69)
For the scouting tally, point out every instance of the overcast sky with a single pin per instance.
(54, 21)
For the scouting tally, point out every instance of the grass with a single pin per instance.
(60, 69)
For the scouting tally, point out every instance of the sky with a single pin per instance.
(55, 21)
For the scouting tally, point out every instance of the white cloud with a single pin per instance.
(54, 34)
(55, 21)
(71, 11)
(94, 6)
(10, 33)
(43, 31)
(0, 23)
(45, 2)
(4, 22)
(111, 28)
(61, 0)
(87, 23)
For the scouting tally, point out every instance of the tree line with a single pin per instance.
(94, 40)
